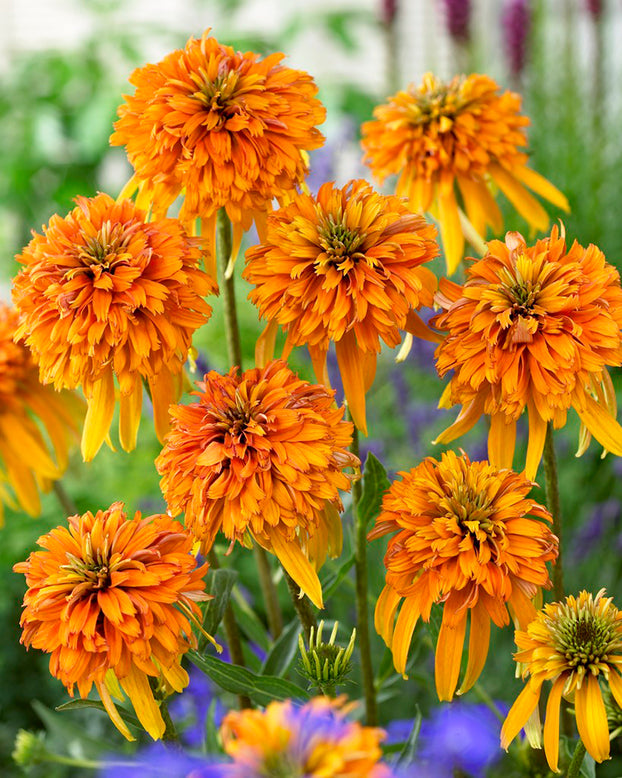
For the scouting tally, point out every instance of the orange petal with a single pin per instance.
(523, 707)
(542, 186)
(334, 526)
(592, 719)
(479, 639)
(449, 655)
(525, 203)
(615, 684)
(175, 675)
(501, 441)
(467, 418)
(551, 723)
(163, 395)
(318, 360)
(417, 327)
(98, 416)
(127, 192)
(130, 410)
(264, 348)
(136, 685)
(535, 446)
(350, 360)
(601, 424)
(292, 558)
(208, 233)
(384, 615)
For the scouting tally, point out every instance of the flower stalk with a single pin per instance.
(551, 485)
(362, 614)
(574, 768)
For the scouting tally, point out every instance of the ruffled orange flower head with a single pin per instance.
(103, 293)
(261, 455)
(576, 644)
(450, 143)
(468, 537)
(226, 129)
(315, 739)
(26, 464)
(533, 327)
(111, 599)
(344, 267)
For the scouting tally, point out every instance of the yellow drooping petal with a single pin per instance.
(402, 636)
(175, 675)
(467, 418)
(208, 233)
(525, 203)
(449, 655)
(99, 415)
(294, 561)
(601, 424)
(319, 361)
(163, 395)
(521, 710)
(450, 227)
(542, 186)
(592, 718)
(417, 327)
(384, 614)
(551, 723)
(130, 410)
(501, 441)
(350, 362)
(535, 445)
(136, 685)
(264, 348)
(111, 710)
(26, 445)
(479, 639)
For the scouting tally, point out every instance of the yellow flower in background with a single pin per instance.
(452, 144)
(224, 129)
(28, 409)
(111, 599)
(468, 536)
(576, 644)
(105, 294)
(315, 739)
(533, 327)
(261, 455)
(345, 266)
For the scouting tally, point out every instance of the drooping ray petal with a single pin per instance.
(99, 415)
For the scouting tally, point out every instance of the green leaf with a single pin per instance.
(212, 742)
(333, 580)
(262, 689)
(219, 583)
(407, 754)
(375, 484)
(128, 717)
(283, 651)
(249, 623)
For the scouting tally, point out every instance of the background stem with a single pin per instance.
(574, 768)
(302, 606)
(551, 484)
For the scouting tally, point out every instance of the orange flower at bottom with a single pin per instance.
(111, 599)
(575, 644)
(261, 456)
(315, 740)
(466, 538)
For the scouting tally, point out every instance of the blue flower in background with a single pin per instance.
(458, 736)
(190, 708)
(158, 761)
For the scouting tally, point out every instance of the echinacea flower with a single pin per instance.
(450, 143)
(26, 409)
(315, 740)
(576, 644)
(261, 456)
(344, 266)
(469, 537)
(534, 328)
(104, 293)
(226, 129)
(111, 599)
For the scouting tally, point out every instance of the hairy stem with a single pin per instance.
(302, 605)
(271, 600)
(574, 768)
(551, 484)
(362, 616)
(65, 501)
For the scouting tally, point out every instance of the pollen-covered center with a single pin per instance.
(217, 95)
(340, 246)
(584, 639)
(472, 512)
(440, 104)
(93, 569)
(104, 249)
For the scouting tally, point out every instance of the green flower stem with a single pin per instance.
(302, 605)
(551, 484)
(488, 701)
(362, 616)
(170, 733)
(232, 632)
(65, 501)
(574, 768)
(224, 244)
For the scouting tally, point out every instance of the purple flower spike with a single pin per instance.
(595, 8)
(458, 18)
(516, 24)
